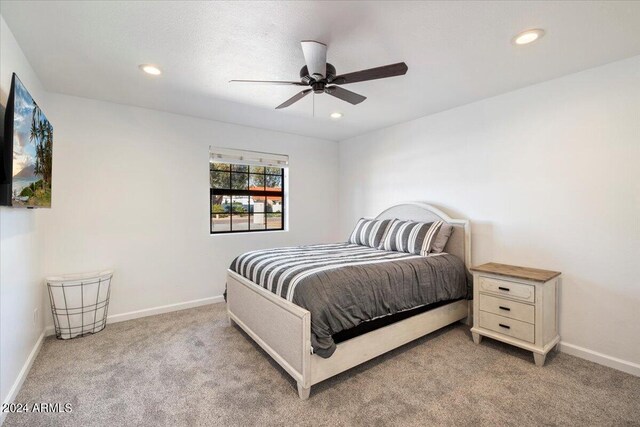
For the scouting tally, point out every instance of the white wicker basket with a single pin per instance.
(79, 303)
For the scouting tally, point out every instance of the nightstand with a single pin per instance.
(516, 305)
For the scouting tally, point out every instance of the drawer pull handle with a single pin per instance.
(505, 308)
(503, 289)
(504, 326)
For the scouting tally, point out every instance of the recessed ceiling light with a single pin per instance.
(336, 115)
(150, 69)
(528, 36)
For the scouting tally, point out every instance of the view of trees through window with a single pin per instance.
(246, 198)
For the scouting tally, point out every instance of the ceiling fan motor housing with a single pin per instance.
(307, 79)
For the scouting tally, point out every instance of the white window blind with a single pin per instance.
(245, 157)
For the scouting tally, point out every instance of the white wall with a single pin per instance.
(549, 176)
(21, 245)
(131, 192)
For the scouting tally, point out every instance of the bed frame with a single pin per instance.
(283, 329)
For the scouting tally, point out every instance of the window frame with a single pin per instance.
(249, 193)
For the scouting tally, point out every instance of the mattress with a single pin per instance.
(344, 285)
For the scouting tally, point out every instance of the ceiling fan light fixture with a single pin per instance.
(336, 115)
(150, 69)
(528, 36)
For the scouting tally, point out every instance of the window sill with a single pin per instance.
(244, 233)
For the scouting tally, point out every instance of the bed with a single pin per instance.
(267, 312)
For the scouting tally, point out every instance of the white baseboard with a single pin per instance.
(114, 318)
(17, 385)
(600, 358)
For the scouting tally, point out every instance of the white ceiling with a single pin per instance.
(457, 53)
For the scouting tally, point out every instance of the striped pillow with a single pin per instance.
(369, 232)
(410, 236)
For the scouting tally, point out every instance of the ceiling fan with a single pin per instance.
(321, 76)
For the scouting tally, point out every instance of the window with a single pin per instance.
(247, 192)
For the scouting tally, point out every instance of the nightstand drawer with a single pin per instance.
(508, 289)
(507, 308)
(510, 327)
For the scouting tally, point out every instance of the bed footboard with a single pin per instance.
(280, 327)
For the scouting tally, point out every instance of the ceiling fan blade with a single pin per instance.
(385, 71)
(295, 98)
(268, 82)
(315, 55)
(345, 95)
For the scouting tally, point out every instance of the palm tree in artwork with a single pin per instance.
(42, 135)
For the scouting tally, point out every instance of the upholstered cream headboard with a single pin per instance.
(459, 243)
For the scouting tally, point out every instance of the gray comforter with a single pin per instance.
(344, 285)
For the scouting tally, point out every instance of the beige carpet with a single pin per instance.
(191, 368)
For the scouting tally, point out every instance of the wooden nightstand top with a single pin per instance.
(526, 273)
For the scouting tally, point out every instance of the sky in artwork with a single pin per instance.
(24, 150)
